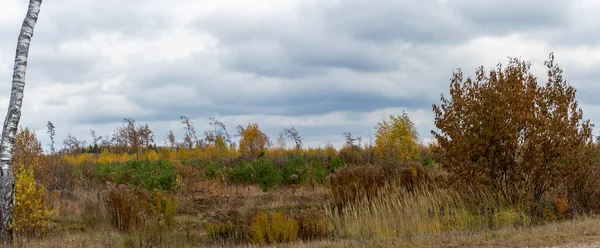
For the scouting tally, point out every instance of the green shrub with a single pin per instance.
(335, 163)
(240, 174)
(211, 169)
(295, 170)
(318, 173)
(147, 174)
(268, 176)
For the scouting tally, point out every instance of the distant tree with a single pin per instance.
(52, 133)
(172, 140)
(220, 130)
(503, 131)
(350, 140)
(190, 139)
(396, 139)
(133, 138)
(95, 139)
(146, 136)
(280, 142)
(253, 141)
(72, 145)
(293, 134)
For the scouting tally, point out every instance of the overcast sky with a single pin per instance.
(324, 66)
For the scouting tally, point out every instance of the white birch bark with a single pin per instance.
(11, 123)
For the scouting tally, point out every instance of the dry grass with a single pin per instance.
(396, 212)
(575, 233)
(389, 220)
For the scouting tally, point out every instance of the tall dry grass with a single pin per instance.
(398, 212)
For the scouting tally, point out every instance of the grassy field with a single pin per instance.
(212, 198)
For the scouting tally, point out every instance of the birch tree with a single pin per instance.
(11, 123)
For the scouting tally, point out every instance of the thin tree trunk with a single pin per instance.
(9, 130)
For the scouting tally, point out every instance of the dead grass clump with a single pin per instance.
(398, 212)
(356, 182)
(313, 224)
(93, 209)
(125, 207)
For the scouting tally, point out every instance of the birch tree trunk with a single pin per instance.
(11, 123)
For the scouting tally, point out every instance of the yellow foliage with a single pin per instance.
(562, 206)
(77, 159)
(165, 206)
(107, 157)
(396, 139)
(253, 141)
(30, 214)
(151, 155)
(279, 229)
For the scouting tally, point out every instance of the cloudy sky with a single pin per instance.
(323, 66)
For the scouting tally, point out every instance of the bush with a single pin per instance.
(295, 170)
(335, 163)
(268, 176)
(211, 169)
(164, 206)
(31, 217)
(318, 173)
(220, 230)
(132, 209)
(273, 230)
(506, 132)
(240, 174)
(313, 224)
(228, 228)
(147, 174)
(125, 207)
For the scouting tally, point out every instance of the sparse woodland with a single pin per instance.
(512, 152)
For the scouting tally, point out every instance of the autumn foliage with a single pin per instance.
(253, 141)
(503, 131)
(396, 139)
(509, 150)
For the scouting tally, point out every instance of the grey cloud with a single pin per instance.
(503, 16)
(350, 56)
(67, 19)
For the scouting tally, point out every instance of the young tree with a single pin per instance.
(95, 139)
(11, 123)
(280, 142)
(133, 138)
(350, 140)
(190, 140)
(503, 131)
(220, 130)
(293, 134)
(172, 140)
(253, 141)
(52, 133)
(396, 139)
(71, 144)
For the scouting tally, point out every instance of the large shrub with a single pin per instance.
(503, 131)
